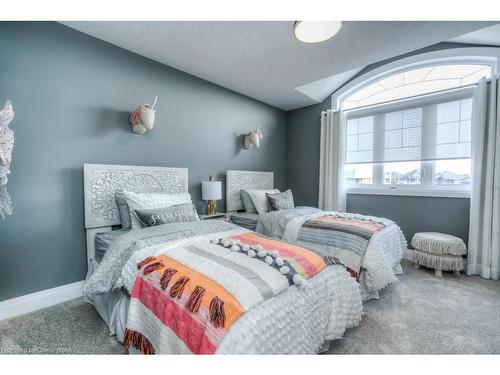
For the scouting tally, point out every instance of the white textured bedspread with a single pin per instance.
(380, 263)
(297, 320)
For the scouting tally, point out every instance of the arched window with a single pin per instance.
(417, 82)
(410, 130)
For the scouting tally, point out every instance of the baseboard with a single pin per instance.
(408, 254)
(39, 300)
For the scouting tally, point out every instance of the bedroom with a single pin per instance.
(236, 167)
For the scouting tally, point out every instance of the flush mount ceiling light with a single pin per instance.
(316, 31)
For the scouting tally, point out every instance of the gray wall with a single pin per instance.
(416, 214)
(413, 214)
(72, 95)
(303, 140)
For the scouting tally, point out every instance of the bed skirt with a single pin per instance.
(112, 307)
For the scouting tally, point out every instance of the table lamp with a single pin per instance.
(211, 191)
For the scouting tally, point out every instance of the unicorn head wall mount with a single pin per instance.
(252, 138)
(143, 118)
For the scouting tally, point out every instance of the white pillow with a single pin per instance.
(152, 200)
(259, 199)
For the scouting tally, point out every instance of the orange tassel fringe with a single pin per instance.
(194, 301)
(167, 275)
(152, 267)
(178, 287)
(217, 314)
(136, 340)
(144, 262)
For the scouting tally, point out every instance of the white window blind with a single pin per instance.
(453, 126)
(403, 135)
(360, 140)
(436, 128)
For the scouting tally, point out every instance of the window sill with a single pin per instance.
(439, 193)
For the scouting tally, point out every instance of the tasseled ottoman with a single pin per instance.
(439, 251)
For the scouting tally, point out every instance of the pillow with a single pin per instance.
(149, 201)
(181, 213)
(259, 199)
(104, 240)
(123, 210)
(247, 202)
(281, 201)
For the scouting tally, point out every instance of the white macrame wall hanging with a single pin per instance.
(6, 146)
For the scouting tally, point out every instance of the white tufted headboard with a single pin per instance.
(101, 181)
(237, 180)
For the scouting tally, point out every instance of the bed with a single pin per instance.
(370, 247)
(204, 286)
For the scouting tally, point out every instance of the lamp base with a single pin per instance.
(211, 206)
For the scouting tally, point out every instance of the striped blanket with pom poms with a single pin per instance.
(342, 235)
(187, 298)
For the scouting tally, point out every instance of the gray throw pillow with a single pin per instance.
(173, 214)
(281, 201)
(247, 202)
(123, 210)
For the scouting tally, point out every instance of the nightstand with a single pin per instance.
(217, 215)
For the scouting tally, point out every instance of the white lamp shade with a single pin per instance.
(211, 190)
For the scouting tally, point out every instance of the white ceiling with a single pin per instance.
(488, 36)
(264, 61)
